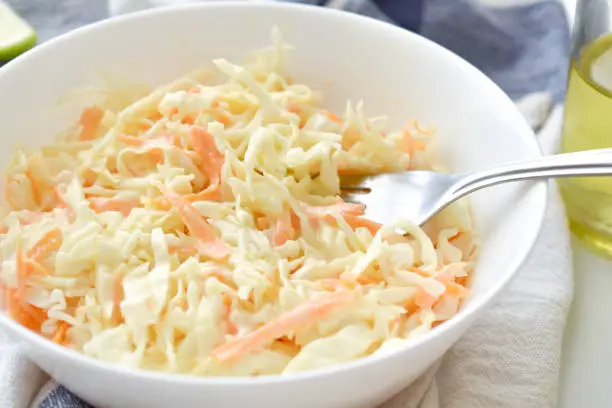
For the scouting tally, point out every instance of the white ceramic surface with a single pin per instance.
(397, 73)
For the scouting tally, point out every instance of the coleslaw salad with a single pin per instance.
(197, 229)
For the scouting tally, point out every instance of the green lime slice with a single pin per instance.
(16, 36)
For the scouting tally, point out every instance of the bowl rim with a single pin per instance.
(527, 137)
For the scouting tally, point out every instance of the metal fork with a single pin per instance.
(419, 195)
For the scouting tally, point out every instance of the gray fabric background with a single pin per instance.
(523, 49)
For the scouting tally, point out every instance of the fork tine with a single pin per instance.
(355, 182)
(351, 198)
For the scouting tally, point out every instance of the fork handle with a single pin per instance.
(590, 163)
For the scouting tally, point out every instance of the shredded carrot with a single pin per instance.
(117, 296)
(183, 251)
(410, 143)
(29, 217)
(209, 244)
(227, 309)
(88, 177)
(455, 237)
(61, 203)
(453, 288)
(221, 117)
(340, 207)
(204, 145)
(210, 193)
(27, 265)
(424, 300)
(31, 317)
(262, 223)
(394, 324)
(419, 272)
(130, 140)
(188, 120)
(90, 122)
(334, 118)
(50, 242)
(364, 280)
(283, 230)
(300, 317)
(294, 108)
(360, 222)
(155, 116)
(35, 187)
(101, 204)
(60, 334)
(334, 284)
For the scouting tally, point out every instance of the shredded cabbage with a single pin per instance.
(197, 229)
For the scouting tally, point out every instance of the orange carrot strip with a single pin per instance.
(155, 116)
(90, 122)
(130, 140)
(424, 300)
(456, 236)
(300, 317)
(50, 242)
(364, 280)
(35, 268)
(208, 243)
(60, 334)
(227, 308)
(283, 230)
(334, 118)
(210, 193)
(221, 117)
(205, 147)
(117, 296)
(453, 288)
(35, 187)
(61, 203)
(293, 108)
(340, 207)
(360, 222)
(101, 204)
(184, 251)
(188, 120)
(409, 143)
(263, 223)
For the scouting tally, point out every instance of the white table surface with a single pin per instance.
(586, 375)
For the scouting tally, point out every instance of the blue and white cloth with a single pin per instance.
(510, 359)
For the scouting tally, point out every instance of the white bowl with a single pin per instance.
(395, 72)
